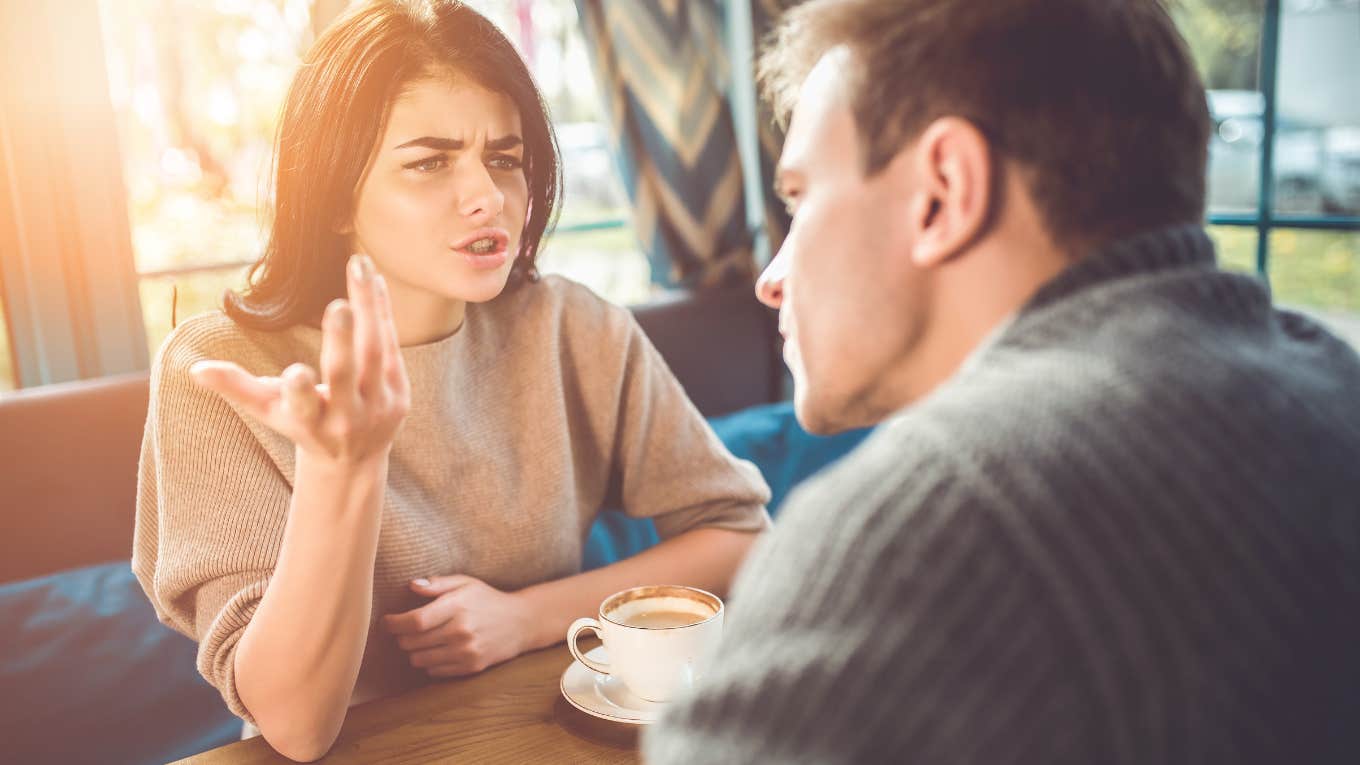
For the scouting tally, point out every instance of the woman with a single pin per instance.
(341, 498)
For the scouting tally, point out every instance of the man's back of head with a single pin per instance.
(945, 158)
(1096, 102)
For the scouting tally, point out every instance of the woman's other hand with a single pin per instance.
(353, 411)
(468, 626)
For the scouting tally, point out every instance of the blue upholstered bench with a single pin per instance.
(87, 673)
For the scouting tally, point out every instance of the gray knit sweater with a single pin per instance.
(1127, 531)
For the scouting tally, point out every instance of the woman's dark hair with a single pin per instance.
(336, 109)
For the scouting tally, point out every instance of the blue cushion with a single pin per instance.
(787, 455)
(88, 674)
(769, 436)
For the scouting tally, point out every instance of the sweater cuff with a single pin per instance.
(217, 648)
(734, 517)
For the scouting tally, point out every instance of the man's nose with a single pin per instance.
(770, 286)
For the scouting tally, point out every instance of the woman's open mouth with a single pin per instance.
(485, 249)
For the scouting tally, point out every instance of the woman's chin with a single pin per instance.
(454, 279)
(479, 287)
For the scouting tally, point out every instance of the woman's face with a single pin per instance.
(443, 203)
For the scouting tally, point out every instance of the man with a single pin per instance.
(1111, 515)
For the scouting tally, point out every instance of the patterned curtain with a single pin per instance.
(664, 73)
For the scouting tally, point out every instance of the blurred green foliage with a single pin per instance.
(1224, 37)
(1316, 269)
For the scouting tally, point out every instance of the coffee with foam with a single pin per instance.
(658, 637)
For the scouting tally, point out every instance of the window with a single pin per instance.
(197, 88)
(1284, 158)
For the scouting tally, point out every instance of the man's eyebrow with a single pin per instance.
(450, 144)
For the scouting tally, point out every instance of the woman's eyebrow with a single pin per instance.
(503, 143)
(451, 144)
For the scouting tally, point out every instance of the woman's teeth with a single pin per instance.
(482, 246)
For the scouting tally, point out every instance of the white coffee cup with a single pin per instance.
(658, 637)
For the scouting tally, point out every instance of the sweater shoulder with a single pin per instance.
(215, 336)
(204, 336)
(211, 335)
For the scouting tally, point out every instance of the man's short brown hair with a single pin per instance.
(1097, 101)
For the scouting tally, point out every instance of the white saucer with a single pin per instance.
(605, 696)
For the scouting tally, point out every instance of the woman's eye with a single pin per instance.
(505, 162)
(429, 164)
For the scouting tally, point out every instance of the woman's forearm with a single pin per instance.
(299, 657)
(706, 558)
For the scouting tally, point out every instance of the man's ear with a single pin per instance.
(952, 179)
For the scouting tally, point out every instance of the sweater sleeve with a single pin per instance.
(211, 507)
(668, 463)
(886, 619)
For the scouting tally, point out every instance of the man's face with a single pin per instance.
(851, 306)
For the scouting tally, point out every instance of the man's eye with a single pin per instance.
(505, 162)
(429, 164)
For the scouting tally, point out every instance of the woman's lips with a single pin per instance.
(490, 260)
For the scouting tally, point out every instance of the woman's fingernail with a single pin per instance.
(362, 265)
(421, 582)
(337, 313)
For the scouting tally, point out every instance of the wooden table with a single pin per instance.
(513, 713)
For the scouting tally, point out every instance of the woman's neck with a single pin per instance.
(422, 317)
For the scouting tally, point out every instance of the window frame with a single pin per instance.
(1265, 220)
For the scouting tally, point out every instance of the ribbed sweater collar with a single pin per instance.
(1156, 250)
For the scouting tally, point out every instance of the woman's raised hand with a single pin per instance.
(353, 411)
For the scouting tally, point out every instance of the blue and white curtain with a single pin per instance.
(665, 75)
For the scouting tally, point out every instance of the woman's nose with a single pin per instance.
(770, 286)
(480, 199)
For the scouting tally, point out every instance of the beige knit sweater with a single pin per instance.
(545, 405)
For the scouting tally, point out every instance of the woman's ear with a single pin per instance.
(952, 180)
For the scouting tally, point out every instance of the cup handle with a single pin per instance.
(574, 632)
